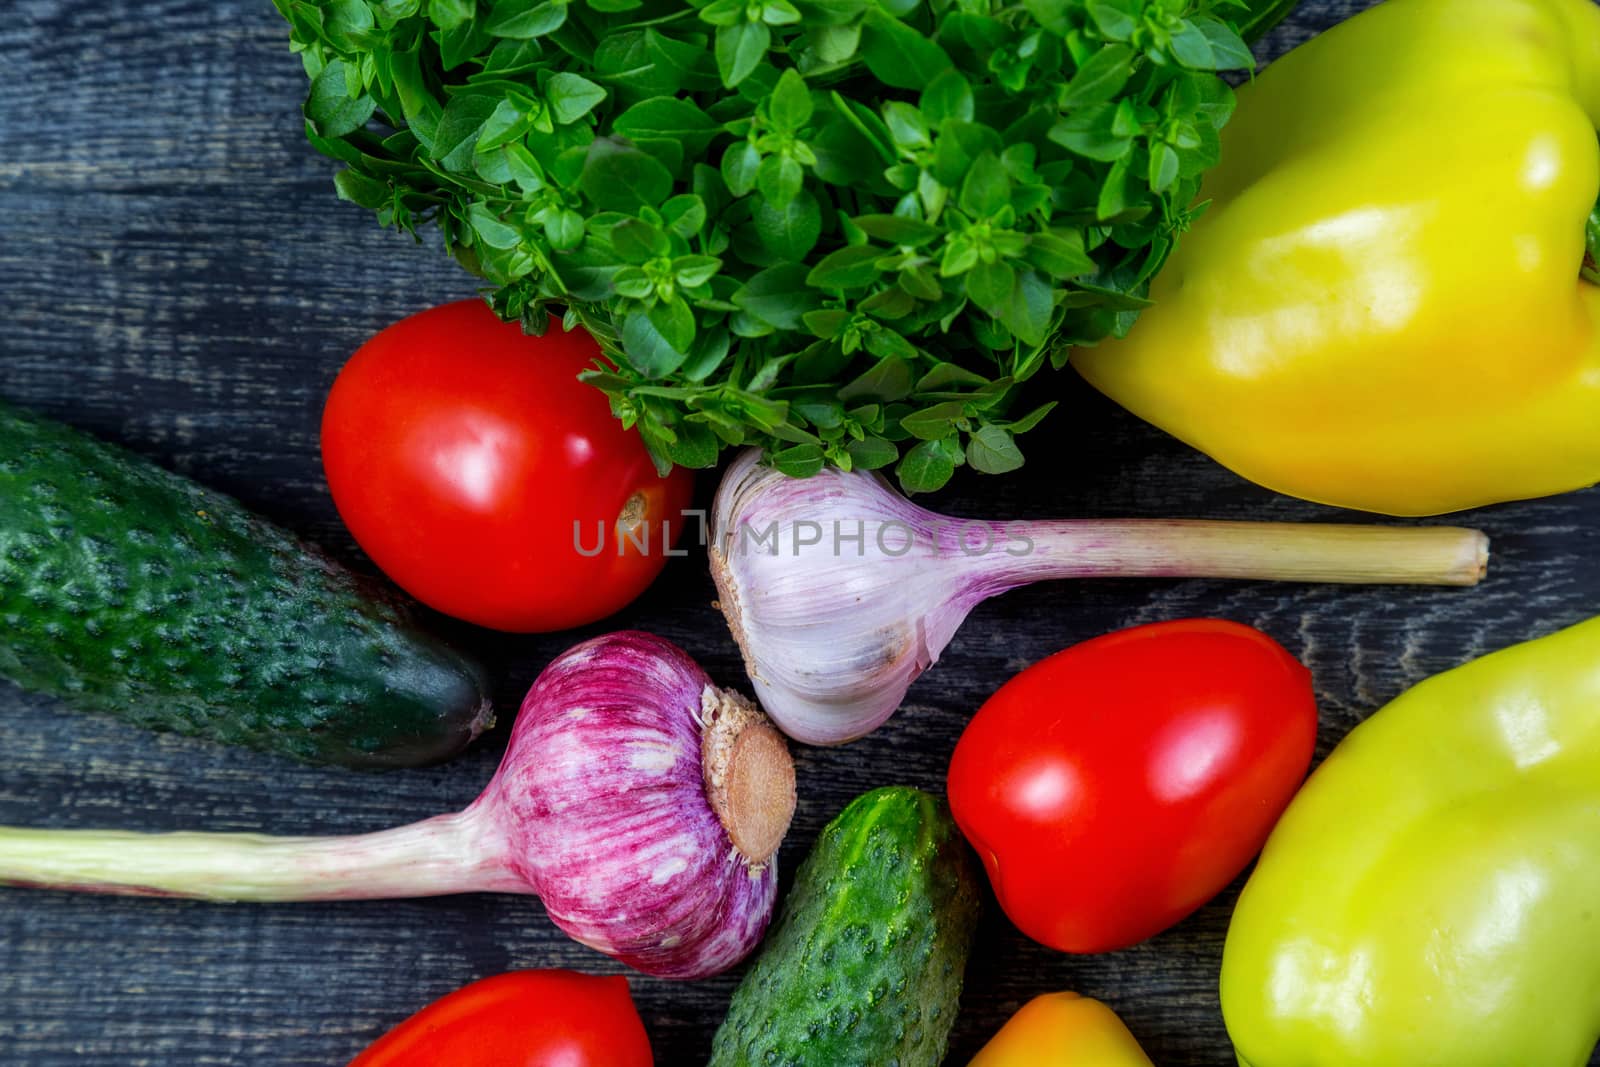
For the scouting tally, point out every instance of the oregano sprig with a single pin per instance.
(843, 230)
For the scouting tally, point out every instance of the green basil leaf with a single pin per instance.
(624, 61)
(1060, 254)
(448, 14)
(886, 343)
(694, 271)
(792, 231)
(349, 24)
(523, 19)
(619, 177)
(505, 124)
(790, 107)
(872, 453)
(779, 13)
(852, 267)
(1227, 47)
(898, 230)
(777, 296)
(779, 179)
(521, 167)
(960, 255)
(828, 323)
(739, 49)
(1116, 21)
(572, 96)
(674, 320)
(392, 11)
(959, 144)
(330, 108)
(925, 468)
(920, 282)
(887, 381)
(421, 109)
(633, 283)
(1032, 418)
(457, 136)
(945, 376)
(800, 461)
(360, 189)
(1053, 15)
(668, 118)
(898, 55)
(989, 286)
(740, 164)
(1163, 166)
(493, 167)
(906, 126)
(1115, 192)
(646, 350)
(711, 347)
(892, 303)
(684, 214)
(1028, 310)
(1100, 77)
(509, 57)
(723, 12)
(494, 232)
(934, 423)
(824, 415)
(564, 229)
(991, 450)
(948, 97)
(688, 66)
(836, 44)
(638, 242)
(1089, 133)
(586, 272)
(986, 188)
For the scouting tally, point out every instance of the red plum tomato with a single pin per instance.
(1115, 787)
(521, 1019)
(488, 482)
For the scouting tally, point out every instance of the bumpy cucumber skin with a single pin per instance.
(865, 967)
(127, 589)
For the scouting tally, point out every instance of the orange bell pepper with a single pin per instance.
(1062, 1030)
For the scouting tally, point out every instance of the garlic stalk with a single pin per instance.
(841, 592)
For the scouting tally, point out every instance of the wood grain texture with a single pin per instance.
(176, 275)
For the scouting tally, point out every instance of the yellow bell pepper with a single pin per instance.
(1430, 897)
(1382, 306)
(1062, 1030)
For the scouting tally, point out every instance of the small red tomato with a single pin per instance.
(521, 1019)
(487, 481)
(1115, 787)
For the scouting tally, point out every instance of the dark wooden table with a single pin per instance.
(176, 275)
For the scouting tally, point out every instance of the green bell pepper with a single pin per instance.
(1432, 896)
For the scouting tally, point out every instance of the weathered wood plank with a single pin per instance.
(176, 274)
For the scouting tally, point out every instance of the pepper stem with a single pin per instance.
(748, 772)
(1269, 551)
(447, 854)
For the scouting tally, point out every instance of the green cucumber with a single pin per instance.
(864, 969)
(127, 589)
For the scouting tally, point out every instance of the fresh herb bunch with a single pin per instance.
(844, 230)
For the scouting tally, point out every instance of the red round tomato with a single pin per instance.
(1113, 788)
(487, 481)
(521, 1019)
